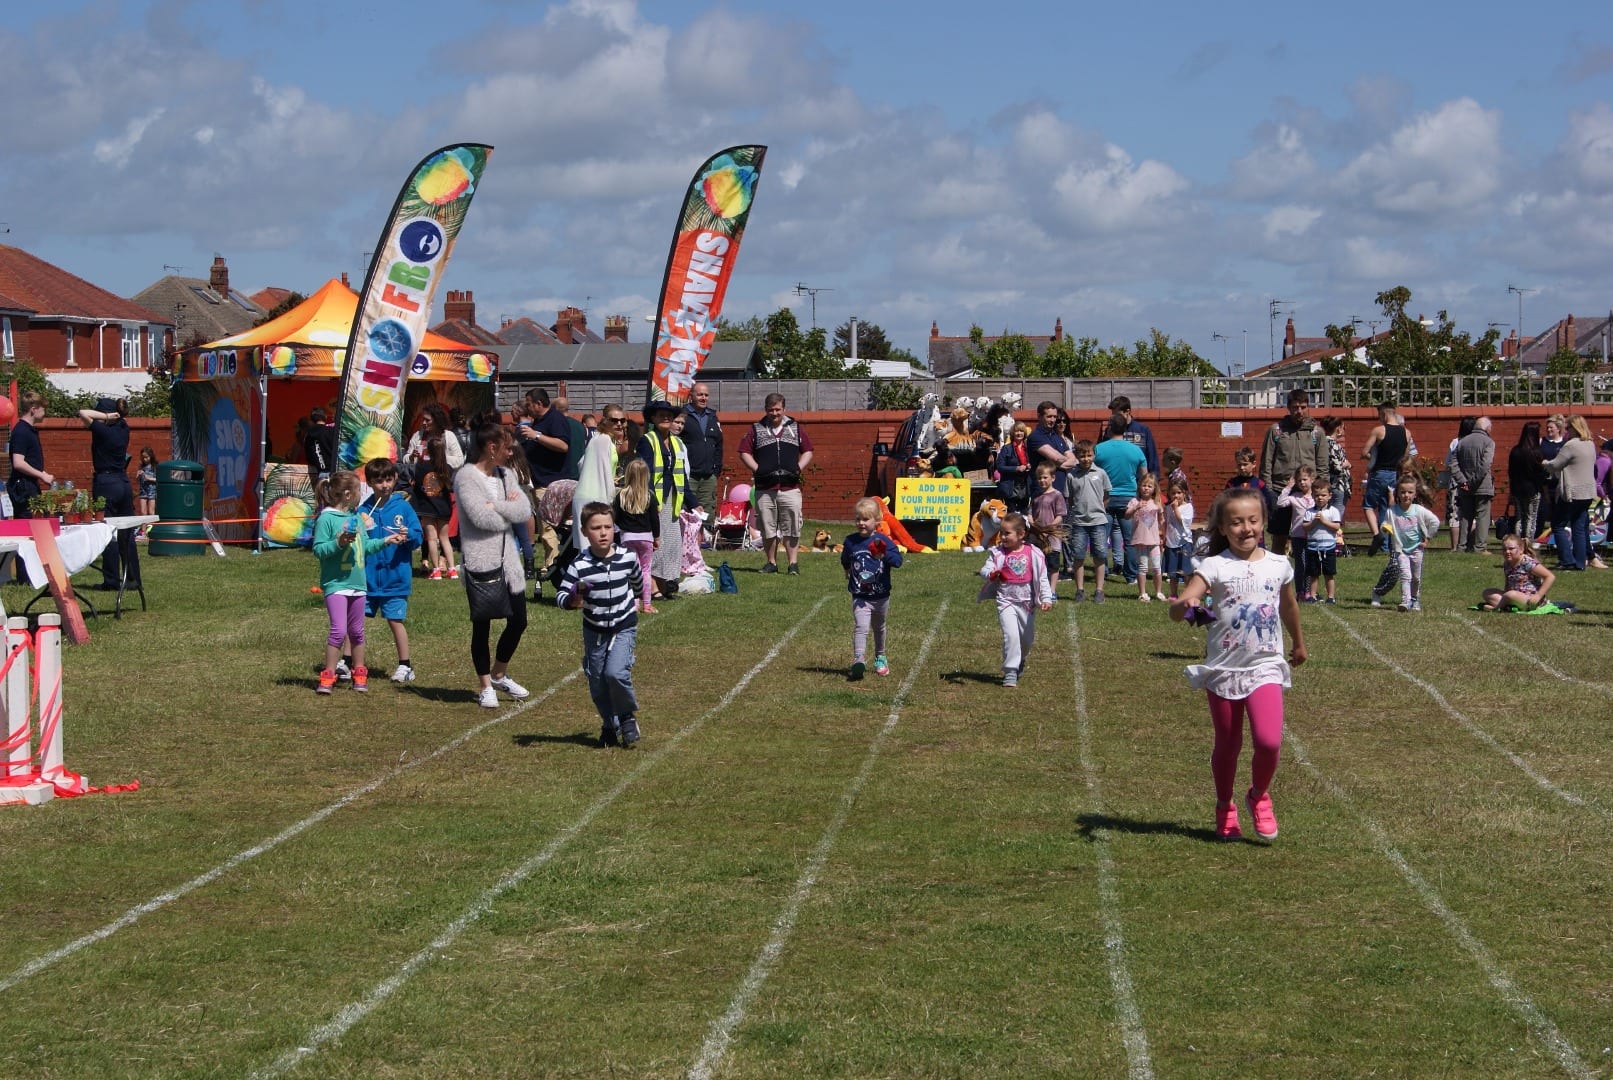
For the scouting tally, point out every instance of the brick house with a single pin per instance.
(949, 356)
(570, 326)
(202, 310)
(84, 337)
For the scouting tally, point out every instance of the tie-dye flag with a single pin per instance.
(697, 269)
(395, 302)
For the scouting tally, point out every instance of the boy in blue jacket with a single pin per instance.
(389, 573)
(868, 556)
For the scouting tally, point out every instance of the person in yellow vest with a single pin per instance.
(668, 460)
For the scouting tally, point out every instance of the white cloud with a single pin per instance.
(1588, 146)
(1115, 194)
(1441, 162)
(116, 152)
(1289, 222)
(1367, 259)
(1280, 164)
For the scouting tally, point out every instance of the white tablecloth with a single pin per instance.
(79, 545)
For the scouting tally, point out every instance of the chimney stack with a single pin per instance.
(1058, 328)
(460, 306)
(219, 278)
(1288, 339)
(616, 328)
(567, 319)
(1570, 335)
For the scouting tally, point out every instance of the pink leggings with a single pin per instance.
(346, 619)
(644, 549)
(1265, 708)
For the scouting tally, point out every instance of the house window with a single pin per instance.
(131, 347)
(7, 349)
(72, 361)
(153, 346)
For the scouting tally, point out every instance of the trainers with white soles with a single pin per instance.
(510, 687)
(488, 698)
(403, 673)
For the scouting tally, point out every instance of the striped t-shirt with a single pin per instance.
(609, 587)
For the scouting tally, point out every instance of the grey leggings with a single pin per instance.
(868, 614)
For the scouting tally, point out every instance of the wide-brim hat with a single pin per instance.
(659, 407)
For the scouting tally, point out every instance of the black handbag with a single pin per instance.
(487, 591)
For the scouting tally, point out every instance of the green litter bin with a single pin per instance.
(179, 510)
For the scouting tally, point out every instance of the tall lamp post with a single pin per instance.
(1520, 292)
(1244, 370)
(1222, 338)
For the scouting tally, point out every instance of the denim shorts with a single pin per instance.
(1088, 537)
(1380, 489)
(1178, 562)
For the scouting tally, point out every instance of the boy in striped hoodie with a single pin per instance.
(605, 581)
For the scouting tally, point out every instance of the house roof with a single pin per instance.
(466, 332)
(9, 304)
(950, 355)
(270, 297)
(49, 292)
(617, 360)
(524, 331)
(205, 311)
(1308, 361)
(1587, 340)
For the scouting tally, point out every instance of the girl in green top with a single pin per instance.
(341, 539)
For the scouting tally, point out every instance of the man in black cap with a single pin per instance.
(109, 456)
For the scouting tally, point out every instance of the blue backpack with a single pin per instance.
(725, 578)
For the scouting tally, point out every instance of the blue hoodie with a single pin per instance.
(389, 572)
(869, 575)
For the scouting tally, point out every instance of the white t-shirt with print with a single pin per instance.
(1245, 647)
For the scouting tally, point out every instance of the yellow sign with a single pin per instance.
(943, 500)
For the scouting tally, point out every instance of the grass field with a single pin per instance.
(793, 875)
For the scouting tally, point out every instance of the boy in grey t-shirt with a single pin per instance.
(1086, 490)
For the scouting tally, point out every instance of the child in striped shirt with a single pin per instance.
(605, 581)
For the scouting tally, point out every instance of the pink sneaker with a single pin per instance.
(1226, 822)
(1265, 818)
(436, 574)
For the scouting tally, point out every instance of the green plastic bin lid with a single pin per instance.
(181, 466)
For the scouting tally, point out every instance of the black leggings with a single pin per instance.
(481, 629)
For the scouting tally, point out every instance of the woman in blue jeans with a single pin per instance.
(1575, 469)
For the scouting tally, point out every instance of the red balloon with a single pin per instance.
(8, 411)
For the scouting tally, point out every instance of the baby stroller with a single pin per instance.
(731, 529)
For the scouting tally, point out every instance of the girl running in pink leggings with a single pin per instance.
(1252, 592)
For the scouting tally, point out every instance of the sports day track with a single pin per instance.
(958, 920)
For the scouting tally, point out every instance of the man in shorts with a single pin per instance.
(777, 452)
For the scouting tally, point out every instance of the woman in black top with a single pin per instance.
(109, 456)
(28, 475)
(1526, 478)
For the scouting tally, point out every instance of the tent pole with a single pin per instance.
(263, 450)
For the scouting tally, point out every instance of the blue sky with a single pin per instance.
(1119, 167)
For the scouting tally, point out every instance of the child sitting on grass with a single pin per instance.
(1525, 582)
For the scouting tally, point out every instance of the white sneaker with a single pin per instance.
(511, 687)
(1161, 596)
(343, 672)
(403, 674)
(488, 698)
(1144, 597)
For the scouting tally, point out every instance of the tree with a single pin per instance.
(751, 329)
(1434, 348)
(790, 354)
(1009, 352)
(871, 341)
(1568, 362)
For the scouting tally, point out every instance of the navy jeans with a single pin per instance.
(1571, 533)
(1124, 556)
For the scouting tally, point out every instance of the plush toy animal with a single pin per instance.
(985, 525)
(823, 540)
(929, 424)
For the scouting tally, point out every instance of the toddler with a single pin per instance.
(1325, 527)
(1147, 516)
(1300, 501)
(1048, 510)
(1407, 528)
(1178, 536)
(1086, 492)
(868, 556)
(1171, 465)
(1016, 578)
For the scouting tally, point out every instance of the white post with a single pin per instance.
(14, 693)
(18, 783)
(48, 644)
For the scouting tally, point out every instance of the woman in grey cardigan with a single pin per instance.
(1575, 468)
(490, 503)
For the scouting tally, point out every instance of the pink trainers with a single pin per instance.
(1260, 809)
(1226, 822)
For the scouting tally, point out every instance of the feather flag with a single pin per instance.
(698, 267)
(395, 302)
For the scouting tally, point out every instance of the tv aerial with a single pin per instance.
(808, 290)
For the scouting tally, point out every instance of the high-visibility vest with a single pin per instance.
(680, 465)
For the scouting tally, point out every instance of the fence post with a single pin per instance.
(1585, 389)
(1456, 390)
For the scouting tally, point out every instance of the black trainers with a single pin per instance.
(794, 571)
(629, 733)
(857, 670)
(770, 568)
(608, 735)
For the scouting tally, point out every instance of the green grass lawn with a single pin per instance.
(795, 875)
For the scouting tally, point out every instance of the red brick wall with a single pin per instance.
(843, 443)
(67, 447)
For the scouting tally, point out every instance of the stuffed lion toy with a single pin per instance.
(984, 526)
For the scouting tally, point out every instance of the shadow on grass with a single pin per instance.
(957, 678)
(1165, 654)
(577, 738)
(1087, 824)
(824, 669)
